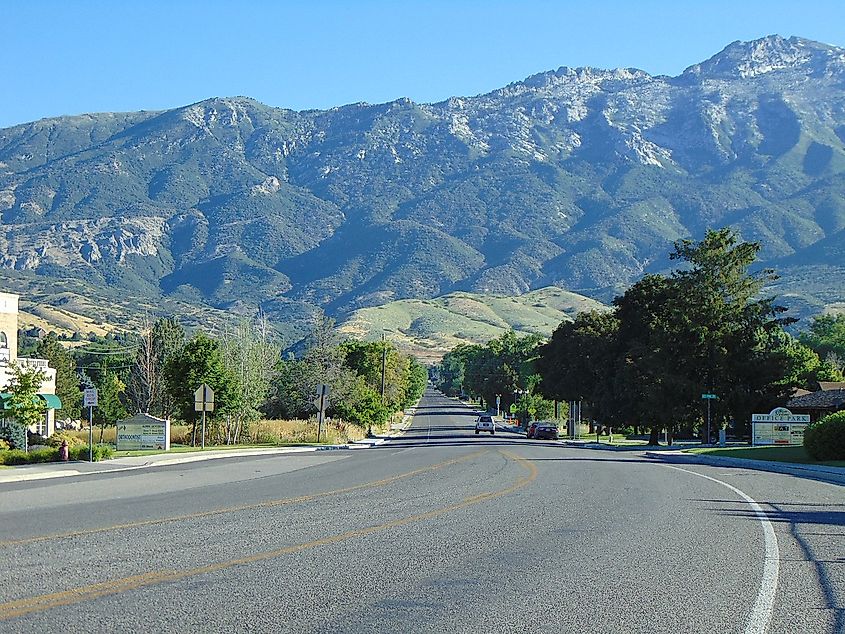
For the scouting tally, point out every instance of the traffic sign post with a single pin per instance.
(498, 404)
(203, 402)
(322, 404)
(90, 400)
(708, 398)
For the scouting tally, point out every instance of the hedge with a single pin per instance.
(825, 439)
(51, 454)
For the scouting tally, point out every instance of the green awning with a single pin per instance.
(52, 401)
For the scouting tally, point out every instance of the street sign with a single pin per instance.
(204, 399)
(322, 404)
(89, 397)
(709, 396)
(513, 408)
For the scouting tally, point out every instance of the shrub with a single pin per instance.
(45, 454)
(72, 441)
(4, 444)
(825, 439)
(14, 456)
(101, 452)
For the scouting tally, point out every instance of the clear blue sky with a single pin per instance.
(74, 56)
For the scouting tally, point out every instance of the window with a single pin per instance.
(5, 355)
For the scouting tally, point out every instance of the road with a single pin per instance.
(436, 531)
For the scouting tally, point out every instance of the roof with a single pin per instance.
(826, 386)
(823, 399)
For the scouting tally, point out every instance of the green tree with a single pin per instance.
(826, 336)
(110, 408)
(199, 361)
(580, 361)
(24, 405)
(252, 357)
(67, 380)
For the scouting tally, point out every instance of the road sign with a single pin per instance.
(204, 399)
(89, 397)
(322, 404)
(513, 408)
(709, 396)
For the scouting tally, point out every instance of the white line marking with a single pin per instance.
(761, 613)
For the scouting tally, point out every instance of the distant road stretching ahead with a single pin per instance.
(436, 531)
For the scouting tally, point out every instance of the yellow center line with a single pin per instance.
(21, 607)
(243, 507)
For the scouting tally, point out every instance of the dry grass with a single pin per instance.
(264, 432)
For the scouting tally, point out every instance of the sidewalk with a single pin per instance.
(831, 475)
(49, 470)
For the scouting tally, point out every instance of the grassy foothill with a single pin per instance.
(773, 454)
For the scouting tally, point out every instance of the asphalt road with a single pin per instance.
(437, 531)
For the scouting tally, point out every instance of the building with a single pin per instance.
(9, 356)
(829, 398)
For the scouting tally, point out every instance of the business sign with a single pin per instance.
(143, 431)
(779, 427)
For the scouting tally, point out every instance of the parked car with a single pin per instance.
(547, 431)
(485, 423)
(530, 431)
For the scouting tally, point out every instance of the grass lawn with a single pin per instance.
(774, 454)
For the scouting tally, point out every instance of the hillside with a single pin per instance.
(578, 178)
(431, 327)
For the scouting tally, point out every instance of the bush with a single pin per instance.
(4, 444)
(101, 452)
(45, 454)
(72, 441)
(825, 439)
(14, 456)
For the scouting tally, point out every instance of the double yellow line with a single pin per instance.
(21, 607)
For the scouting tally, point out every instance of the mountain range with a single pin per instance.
(578, 178)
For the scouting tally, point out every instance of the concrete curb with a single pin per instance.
(831, 475)
(19, 474)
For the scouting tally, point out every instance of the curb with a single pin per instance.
(175, 460)
(366, 443)
(830, 475)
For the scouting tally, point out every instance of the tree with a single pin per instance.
(146, 385)
(826, 336)
(110, 408)
(25, 406)
(580, 361)
(251, 357)
(199, 361)
(67, 380)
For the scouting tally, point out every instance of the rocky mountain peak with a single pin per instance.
(766, 55)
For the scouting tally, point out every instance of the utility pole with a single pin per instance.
(383, 365)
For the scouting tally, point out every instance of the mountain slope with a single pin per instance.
(578, 178)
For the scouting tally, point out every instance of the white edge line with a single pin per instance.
(761, 613)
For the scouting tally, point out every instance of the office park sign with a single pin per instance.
(143, 431)
(779, 427)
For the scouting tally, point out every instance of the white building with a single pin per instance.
(9, 356)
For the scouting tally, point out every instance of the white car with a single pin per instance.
(485, 423)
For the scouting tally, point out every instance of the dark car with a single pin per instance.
(545, 431)
(531, 428)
